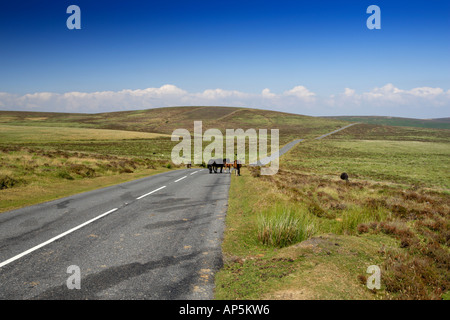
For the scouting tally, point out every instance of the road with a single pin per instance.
(332, 132)
(283, 150)
(154, 238)
(291, 144)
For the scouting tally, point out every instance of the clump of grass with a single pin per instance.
(82, 170)
(7, 182)
(64, 174)
(255, 172)
(355, 217)
(284, 226)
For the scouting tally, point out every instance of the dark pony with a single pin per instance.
(215, 164)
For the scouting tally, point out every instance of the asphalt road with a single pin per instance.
(154, 238)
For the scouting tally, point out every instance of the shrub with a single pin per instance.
(82, 170)
(283, 226)
(7, 182)
(363, 228)
(255, 171)
(63, 174)
(317, 210)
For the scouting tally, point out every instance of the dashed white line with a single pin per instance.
(4, 263)
(144, 195)
(180, 179)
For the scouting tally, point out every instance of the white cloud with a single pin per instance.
(390, 100)
(300, 92)
(349, 92)
(385, 100)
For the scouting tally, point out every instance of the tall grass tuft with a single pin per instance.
(282, 226)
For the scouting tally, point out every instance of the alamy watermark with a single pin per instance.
(374, 281)
(74, 20)
(74, 281)
(257, 147)
(374, 21)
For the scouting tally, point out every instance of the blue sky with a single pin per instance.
(227, 53)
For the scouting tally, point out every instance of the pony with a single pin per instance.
(228, 165)
(215, 164)
(237, 167)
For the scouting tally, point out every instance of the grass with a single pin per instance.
(419, 163)
(48, 189)
(23, 134)
(295, 269)
(39, 164)
(283, 226)
(393, 212)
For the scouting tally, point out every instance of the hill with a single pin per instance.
(165, 120)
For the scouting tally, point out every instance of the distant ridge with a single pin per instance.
(438, 123)
(166, 120)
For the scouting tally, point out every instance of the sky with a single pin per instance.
(315, 58)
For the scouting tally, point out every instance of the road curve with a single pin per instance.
(154, 238)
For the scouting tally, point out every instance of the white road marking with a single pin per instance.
(180, 179)
(194, 172)
(144, 195)
(4, 263)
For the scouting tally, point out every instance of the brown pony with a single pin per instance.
(237, 167)
(228, 165)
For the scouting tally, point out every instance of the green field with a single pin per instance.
(44, 163)
(306, 234)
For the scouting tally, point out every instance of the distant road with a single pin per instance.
(291, 144)
(154, 238)
(282, 151)
(332, 132)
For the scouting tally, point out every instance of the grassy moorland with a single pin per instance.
(301, 234)
(166, 120)
(44, 155)
(39, 164)
(306, 234)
